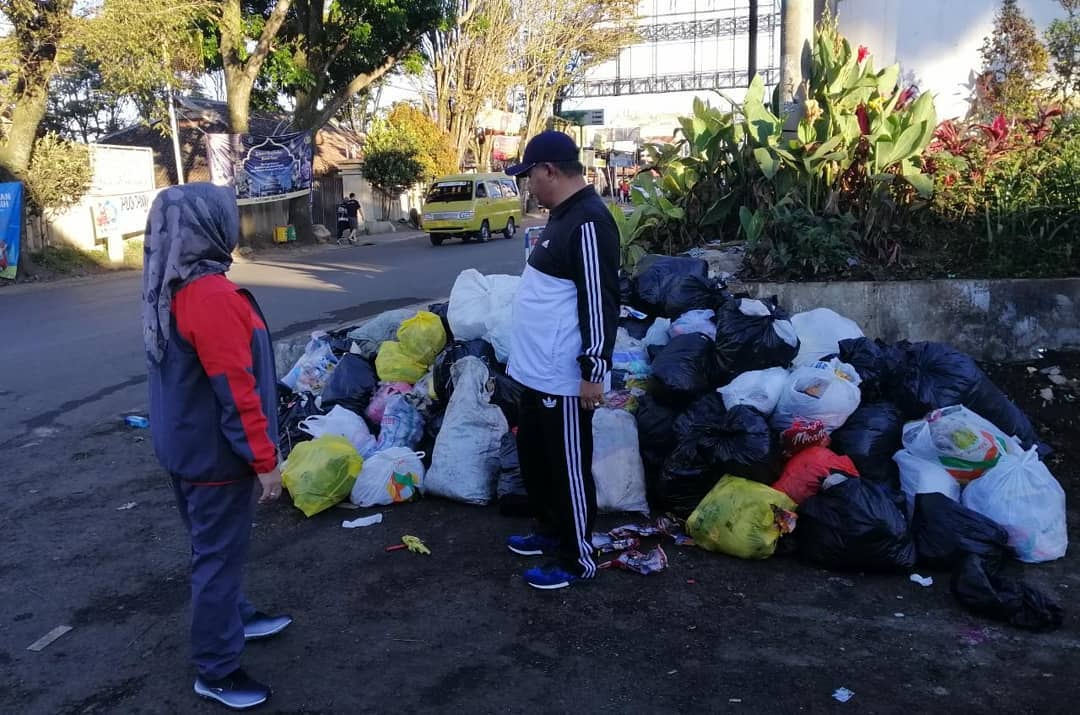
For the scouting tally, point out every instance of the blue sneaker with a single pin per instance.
(263, 626)
(532, 545)
(237, 690)
(550, 578)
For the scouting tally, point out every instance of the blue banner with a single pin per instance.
(261, 168)
(11, 200)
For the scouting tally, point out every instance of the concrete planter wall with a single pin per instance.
(996, 320)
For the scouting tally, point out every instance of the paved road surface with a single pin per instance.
(72, 352)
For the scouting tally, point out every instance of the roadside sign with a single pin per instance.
(584, 117)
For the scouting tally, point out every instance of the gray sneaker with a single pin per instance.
(236, 691)
(263, 626)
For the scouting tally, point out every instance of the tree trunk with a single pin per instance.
(238, 98)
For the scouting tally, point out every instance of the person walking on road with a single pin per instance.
(213, 412)
(353, 207)
(565, 318)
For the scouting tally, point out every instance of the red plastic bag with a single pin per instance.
(803, 475)
(803, 434)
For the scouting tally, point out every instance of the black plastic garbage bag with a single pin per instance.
(736, 441)
(635, 328)
(855, 526)
(432, 425)
(656, 277)
(507, 396)
(656, 437)
(945, 532)
(479, 348)
(292, 410)
(713, 442)
(440, 309)
(877, 363)
(513, 499)
(936, 375)
(692, 293)
(351, 384)
(870, 437)
(981, 588)
(746, 340)
(685, 368)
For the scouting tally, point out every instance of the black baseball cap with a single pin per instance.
(549, 146)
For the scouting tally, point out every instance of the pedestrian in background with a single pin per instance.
(213, 415)
(564, 322)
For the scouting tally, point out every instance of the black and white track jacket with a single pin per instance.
(567, 309)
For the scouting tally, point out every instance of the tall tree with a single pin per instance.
(237, 29)
(1063, 44)
(80, 105)
(409, 127)
(562, 40)
(1014, 65)
(469, 63)
(30, 56)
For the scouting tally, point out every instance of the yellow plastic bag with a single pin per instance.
(393, 364)
(320, 473)
(422, 337)
(741, 518)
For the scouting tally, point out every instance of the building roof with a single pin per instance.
(198, 116)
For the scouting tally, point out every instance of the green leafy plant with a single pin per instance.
(391, 171)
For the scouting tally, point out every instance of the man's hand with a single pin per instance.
(271, 486)
(592, 394)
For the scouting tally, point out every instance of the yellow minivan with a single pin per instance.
(471, 206)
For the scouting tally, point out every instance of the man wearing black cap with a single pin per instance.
(565, 318)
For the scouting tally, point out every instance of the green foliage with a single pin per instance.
(848, 179)
(1063, 44)
(1008, 202)
(81, 107)
(1014, 66)
(59, 174)
(408, 127)
(391, 170)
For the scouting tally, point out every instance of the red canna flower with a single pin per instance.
(864, 52)
(906, 96)
(864, 119)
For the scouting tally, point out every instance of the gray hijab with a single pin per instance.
(191, 232)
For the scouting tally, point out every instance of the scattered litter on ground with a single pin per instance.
(137, 421)
(412, 543)
(843, 695)
(363, 521)
(46, 640)
(128, 505)
(924, 581)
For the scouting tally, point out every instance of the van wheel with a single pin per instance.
(435, 240)
(485, 232)
(510, 229)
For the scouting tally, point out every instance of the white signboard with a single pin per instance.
(121, 169)
(121, 214)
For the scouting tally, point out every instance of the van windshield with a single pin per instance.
(447, 191)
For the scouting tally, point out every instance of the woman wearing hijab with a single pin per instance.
(213, 407)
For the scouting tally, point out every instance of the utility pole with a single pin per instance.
(751, 58)
(796, 42)
(174, 129)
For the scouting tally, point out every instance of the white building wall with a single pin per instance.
(936, 42)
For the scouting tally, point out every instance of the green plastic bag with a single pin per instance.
(320, 473)
(422, 337)
(393, 364)
(741, 518)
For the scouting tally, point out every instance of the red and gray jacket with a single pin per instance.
(213, 396)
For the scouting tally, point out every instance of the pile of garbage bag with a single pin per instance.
(756, 426)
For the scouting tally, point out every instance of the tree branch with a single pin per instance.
(334, 103)
(270, 29)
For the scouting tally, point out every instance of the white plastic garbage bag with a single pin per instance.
(390, 477)
(820, 332)
(922, 476)
(964, 443)
(659, 333)
(759, 389)
(343, 423)
(616, 464)
(826, 391)
(313, 368)
(384, 326)
(630, 356)
(1021, 495)
(470, 300)
(695, 321)
(500, 316)
(465, 461)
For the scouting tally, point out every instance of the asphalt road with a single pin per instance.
(72, 351)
